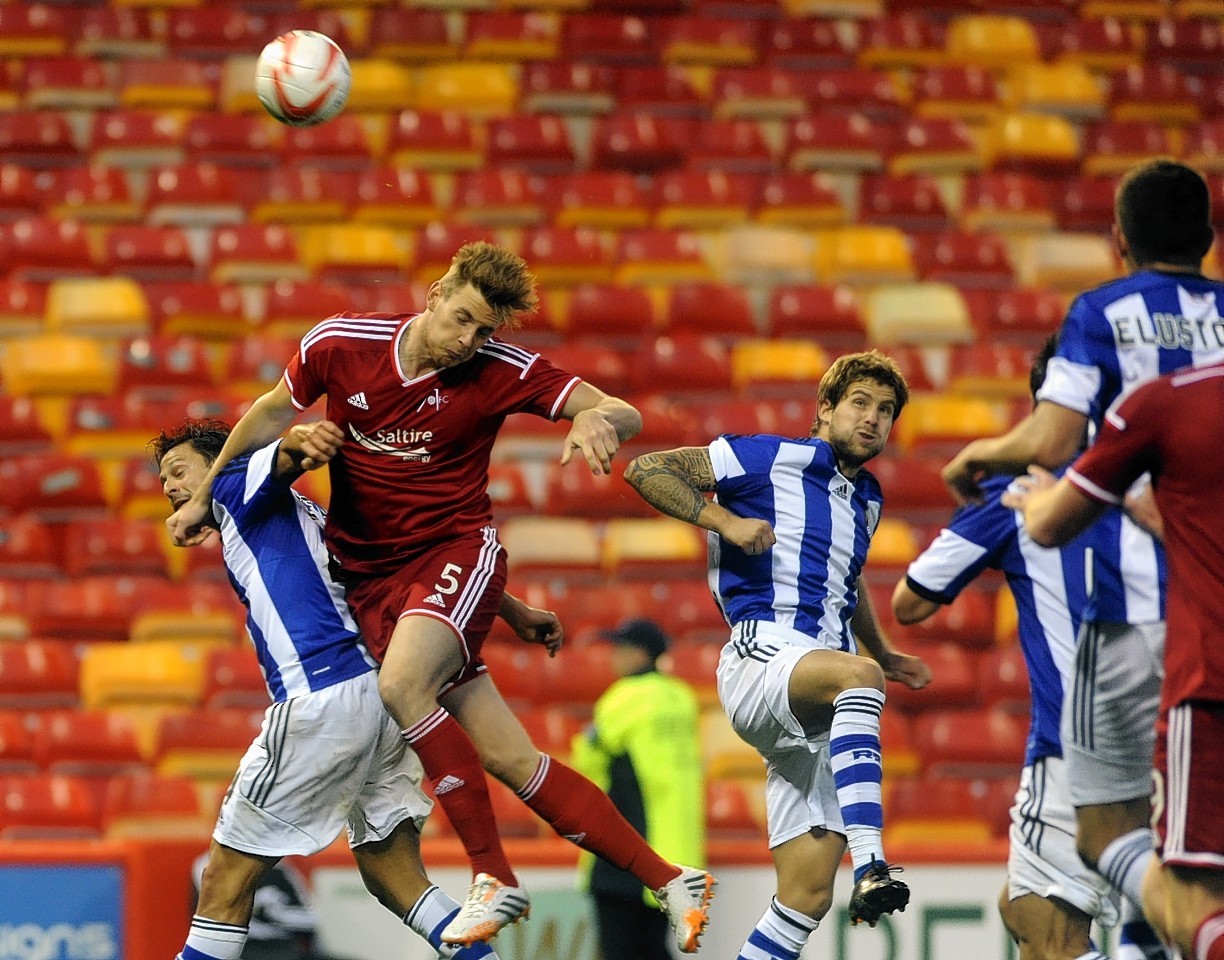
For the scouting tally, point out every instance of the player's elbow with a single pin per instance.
(634, 473)
(908, 607)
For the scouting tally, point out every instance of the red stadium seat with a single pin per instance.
(23, 429)
(956, 91)
(1006, 202)
(659, 257)
(196, 194)
(233, 140)
(164, 84)
(769, 93)
(807, 201)
(52, 486)
(699, 199)
(579, 493)
(658, 90)
(204, 744)
(1021, 315)
(197, 309)
(114, 546)
(22, 306)
(1155, 92)
(970, 741)
(913, 487)
(148, 805)
(729, 811)
(298, 195)
(38, 138)
(696, 663)
(967, 260)
(594, 362)
(402, 298)
(685, 360)
(232, 679)
(1003, 679)
(340, 144)
(91, 743)
(618, 314)
(511, 35)
(1101, 45)
(996, 370)
(497, 198)
(566, 87)
(41, 249)
(21, 191)
(292, 308)
(835, 143)
(954, 682)
(709, 41)
(17, 744)
(1193, 46)
(807, 43)
(1113, 147)
(106, 31)
(579, 678)
(874, 93)
(213, 32)
(255, 253)
(67, 83)
(94, 194)
(607, 38)
(531, 142)
(411, 35)
(434, 140)
(437, 243)
(638, 143)
(562, 257)
(831, 315)
(929, 802)
(90, 608)
(48, 807)
(709, 309)
(551, 729)
(602, 199)
(732, 146)
(30, 32)
(146, 252)
(935, 146)
(39, 675)
(1086, 203)
(515, 668)
(901, 41)
(911, 202)
(136, 139)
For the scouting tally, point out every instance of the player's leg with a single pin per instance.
(227, 897)
(574, 806)
(1196, 925)
(1048, 929)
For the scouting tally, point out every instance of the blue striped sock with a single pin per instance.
(779, 935)
(1136, 938)
(213, 940)
(429, 917)
(854, 751)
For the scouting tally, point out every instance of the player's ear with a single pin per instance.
(434, 294)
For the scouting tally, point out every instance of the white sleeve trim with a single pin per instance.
(726, 464)
(1093, 490)
(1071, 385)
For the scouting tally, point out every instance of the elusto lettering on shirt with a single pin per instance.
(1169, 331)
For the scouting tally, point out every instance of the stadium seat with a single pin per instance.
(40, 249)
(21, 190)
(481, 90)
(911, 202)
(42, 807)
(992, 42)
(923, 314)
(299, 195)
(354, 252)
(901, 42)
(724, 754)
(1102, 45)
(807, 201)
(709, 309)
(952, 810)
(638, 143)
(494, 199)
(754, 256)
(1026, 142)
(91, 194)
(22, 306)
(566, 87)
(776, 367)
(38, 138)
(659, 257)
(56, 365)
(1153, 92)
(1021, 315)
(963, 92)
(232, 679)
(119, 674)
(234, 141)
(562, 257)
(1113, 147)
(894, 545)
(600, 199)
(380, 86)
(113, 545)
(709, 41)
(609, 38)
(17, 743)
(195, 195)
(615, 313)
(700, 199)
(33, 32)
(24, 428)
(531, 142)
(758, 93)
(512, 36)
(115, 32)
(1006, 203)
(1204, 144)
(87, 743)
(255, 253)
(652, 548)
(863, 255)
(1086, 204)
(152, 806)
(830, 315)
(991, 370)
(204, 744)
(52, 487)
(166, 84)
(210, 311)
(688, 361)
(805, 43)
(291, 307)
(1003, 679)
(913, 488)
(834, 143)
(1068, 262)
(1066, 89)
(592, 361)
(579, 493)
(969, 741)
(211, 32)
(515, 668)
(732, 146)
(140, 251)
(966, 260)
(932, 421)
(659, 90)
(411, 35)
(548, 546)
(876, 94)
(730, 811)
(434, 140)
(933, 146)
(340, 144)
(136, 139)
(39, 675)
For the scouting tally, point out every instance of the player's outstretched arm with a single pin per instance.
(259, 426)
(908, 607)
(600, 425)
(307, 446)
(901, 667)
(675, 482)
(531, 624)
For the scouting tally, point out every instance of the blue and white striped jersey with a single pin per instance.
(272, 544)
(1114, 339)
(1049, 587)
(823, 523)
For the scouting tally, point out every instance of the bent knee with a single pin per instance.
(812, 900)
(862, 672)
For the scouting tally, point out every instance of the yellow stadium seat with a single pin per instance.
(1021, 139)
(937, 831)
(1068, 262)
(537, 36)
(945, 421)
(477, 89)
(1006, 620)
(56, 364)
(551, 544)
(161, 673)
(776, 361)
(97, 306)
(924, 314)
(650, 547)
(724, 754)
(764, 255)
(238, 86)
(379, 86)
(1067, 89)
(986, 40)
(200, 629)
(863, 255)
(894, 545)
(354, 248)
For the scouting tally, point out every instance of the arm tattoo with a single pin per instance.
(673, 481)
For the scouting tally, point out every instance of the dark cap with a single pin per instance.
(640, 633)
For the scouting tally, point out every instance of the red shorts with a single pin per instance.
(459, 583)
(1189, 782)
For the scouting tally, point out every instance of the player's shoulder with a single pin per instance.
(349, 332)
(502, 356)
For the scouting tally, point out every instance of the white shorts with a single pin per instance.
(1042, 858)
(320, 761)
(753, 677)
(1109, 712)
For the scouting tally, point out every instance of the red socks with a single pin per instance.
(582, 813)
(1209, 938)
(454, 769)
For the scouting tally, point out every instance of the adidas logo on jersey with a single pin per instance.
(842, 490)
(358, 400)
(447, 784)
(436, 600)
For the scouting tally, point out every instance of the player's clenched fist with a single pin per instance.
(313, 444)
(751, 535)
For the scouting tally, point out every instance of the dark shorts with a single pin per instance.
(1189, 782)
(459, 583)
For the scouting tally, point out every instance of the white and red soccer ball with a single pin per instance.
(302, 78)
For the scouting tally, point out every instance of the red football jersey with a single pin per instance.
(414, 468)
(1174, 428)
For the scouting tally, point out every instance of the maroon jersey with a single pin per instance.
(413, 470)
(1173, 427)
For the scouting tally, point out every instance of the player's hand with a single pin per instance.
(595, 437)
(186, 524)
(1025, 486)
(906, 668)
(532, 625)
(750, 534)
(1140, 506)
(962, 477)
(313, 445)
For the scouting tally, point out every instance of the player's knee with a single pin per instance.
(862, 672)
(808, 896)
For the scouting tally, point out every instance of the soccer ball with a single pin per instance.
(302, 78)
